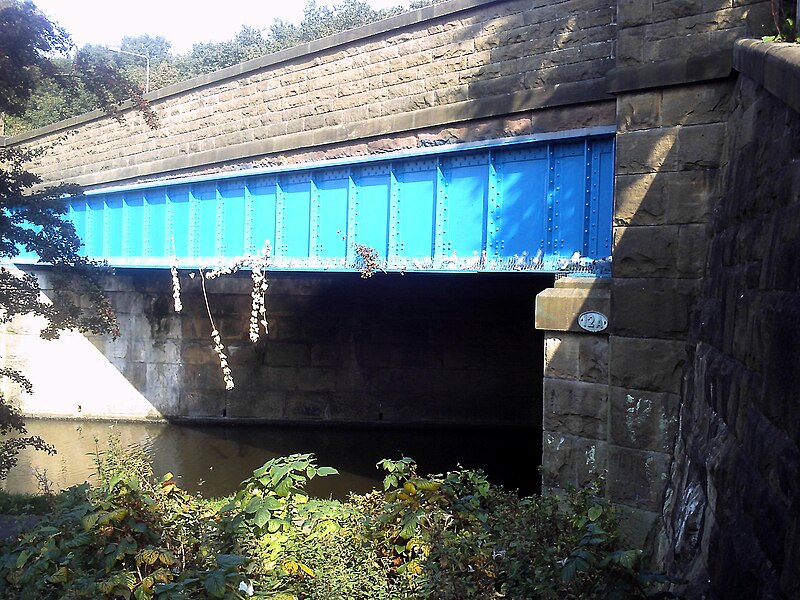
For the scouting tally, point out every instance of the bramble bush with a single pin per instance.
(451, 536)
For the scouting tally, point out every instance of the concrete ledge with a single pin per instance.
(558, 308)
(774, 65)
(670, 72)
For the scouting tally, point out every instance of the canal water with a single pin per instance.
(214, 459)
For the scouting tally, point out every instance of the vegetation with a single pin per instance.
(785, 20)
(451, 536)
(59, 97)
(31, 217)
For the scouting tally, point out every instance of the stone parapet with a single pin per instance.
(456, 62)
(774, 65)
(684, 32)
(731, 517)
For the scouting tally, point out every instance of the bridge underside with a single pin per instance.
(533, 204)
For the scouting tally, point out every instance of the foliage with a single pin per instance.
(24, 504)
(271, 516)
(368, 261)
(785, 19)
(125, 537)
(258, 311)
(31, 216)
(30, 47)
(452, 536)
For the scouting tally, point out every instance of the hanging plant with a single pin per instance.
(258, 312)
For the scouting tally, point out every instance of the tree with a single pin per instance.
(32, 217)
(35, 58)
(52, 103)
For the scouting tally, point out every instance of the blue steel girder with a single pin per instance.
(521, 204)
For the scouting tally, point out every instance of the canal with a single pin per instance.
(214, 459)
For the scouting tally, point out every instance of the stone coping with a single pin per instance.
(774, 65)
(558, 308)
(678, 71)
(359, 34)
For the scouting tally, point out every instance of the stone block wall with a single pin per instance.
(575, 402)
(456, 62)
(732, 517)
(658, 31)
(396, 349)
(669, 151)
(673, 88)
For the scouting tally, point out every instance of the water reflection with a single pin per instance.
(214, 459)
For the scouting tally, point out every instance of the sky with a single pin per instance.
(182, 22)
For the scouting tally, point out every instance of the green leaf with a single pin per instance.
(142, 593)
(569, 570)
(230, 560)
(283, 489)
(324, 471)
(118, 515)
(60, 576)
(147, 556)
(23, 558)
(253, 506)
(409, 528)
(84, 538)
(89, 521)
(279, 473)
(627, 558)
(595, 512)
(214, 582)
(272, 503)
(261, 517)
(42, 531)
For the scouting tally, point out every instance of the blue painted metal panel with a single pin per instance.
(155, 241)
(178, 245)
(263, 199)
(232, 218)
(414, 215)
(331, 225)
(295, 227)
(464, 211)
(602, 198)
(77, 215)
(519, 225)
(95, 228)
(569, 199)
(131, 229)
(512, 205)
(205, 220)
(372, 208)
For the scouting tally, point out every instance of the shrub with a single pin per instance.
(451, 536)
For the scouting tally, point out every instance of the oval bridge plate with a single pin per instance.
(593, 321)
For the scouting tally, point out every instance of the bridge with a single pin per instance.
(539, 203)
(507, 127)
